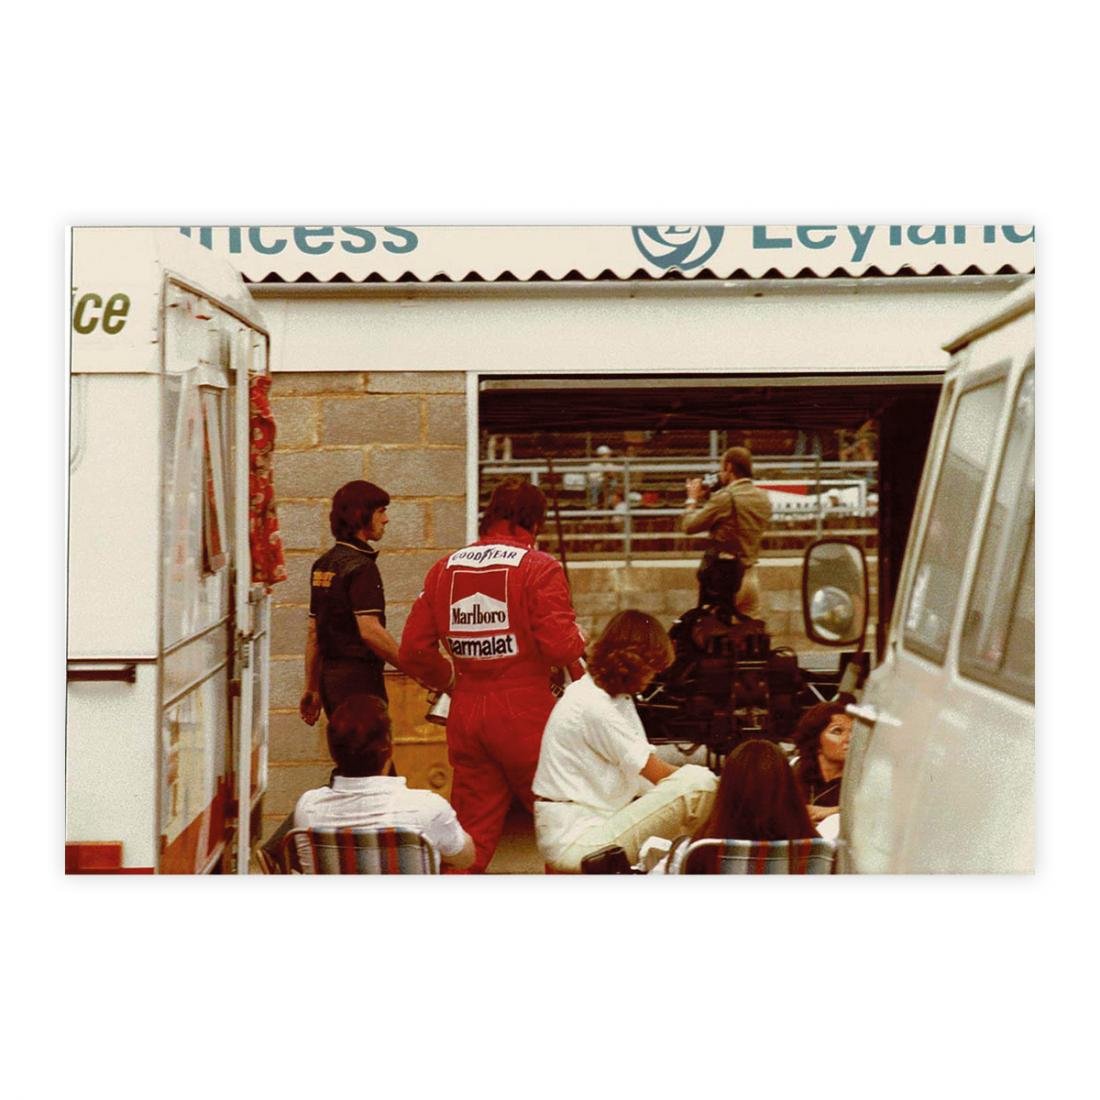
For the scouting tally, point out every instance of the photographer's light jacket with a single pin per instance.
(736, 516)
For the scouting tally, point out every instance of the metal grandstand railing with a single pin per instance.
(623, 507)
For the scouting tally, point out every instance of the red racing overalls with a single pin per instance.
(503, 611)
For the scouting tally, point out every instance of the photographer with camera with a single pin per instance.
(736, 514)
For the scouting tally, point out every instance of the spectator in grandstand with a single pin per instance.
(822, 737)
(360, 794)
(600, 477)
(736, 515)
(598, 781)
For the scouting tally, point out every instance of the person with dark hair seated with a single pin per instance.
(758, 799)
(594, 783)
(821, 737)
(361, 795)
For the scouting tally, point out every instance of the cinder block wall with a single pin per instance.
(668, 591)
(405, 432)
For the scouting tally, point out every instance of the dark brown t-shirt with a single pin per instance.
(345, 582)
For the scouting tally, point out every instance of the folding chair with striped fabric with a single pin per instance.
(813, 856)
(373, 850)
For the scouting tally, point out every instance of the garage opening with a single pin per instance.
(839, 455)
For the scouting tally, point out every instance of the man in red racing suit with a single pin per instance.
(503, 611)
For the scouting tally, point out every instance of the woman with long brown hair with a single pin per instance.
(758, 798)
(593, 786)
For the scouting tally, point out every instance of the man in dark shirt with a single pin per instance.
(347, 645)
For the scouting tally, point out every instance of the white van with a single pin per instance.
(940, 771)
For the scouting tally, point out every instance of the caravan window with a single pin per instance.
(998, 641)
(938, 576)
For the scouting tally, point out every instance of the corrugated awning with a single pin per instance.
(393, 254)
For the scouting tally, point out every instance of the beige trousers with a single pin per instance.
(677, 805)
(748, 595)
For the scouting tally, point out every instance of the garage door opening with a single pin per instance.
(838, 456)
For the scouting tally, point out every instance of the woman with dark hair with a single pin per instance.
(594, 783)
(347, 644)
(758, 798)
(822, 737)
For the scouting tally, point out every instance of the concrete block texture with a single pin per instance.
(679, 600)
(596, 603)
(290, 740)
(784, 574)
(286, 383)
(652, 602)
(446, 419)
(303, 526)
(418, 471)
(316, 474)
(406, 529)
(396, 615)
(286, 783)
(288, 631)
(782, 600)
(448, 524)
(425, 381)
(403, 575)
(295, 589)
(287, 681)
(365, 420)
(295, 422)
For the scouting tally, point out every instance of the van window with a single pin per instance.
(998, 641)
(938, 576)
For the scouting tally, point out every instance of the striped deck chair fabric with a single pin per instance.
(364, 851)
(812, 856)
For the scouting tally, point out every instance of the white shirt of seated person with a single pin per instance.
(381, 800)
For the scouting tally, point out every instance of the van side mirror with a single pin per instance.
(834, 593)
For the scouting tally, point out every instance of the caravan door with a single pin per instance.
(213, 622)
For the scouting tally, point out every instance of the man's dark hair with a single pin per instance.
(353, 505)
(739, 459)
(518, 502)
(359, 736)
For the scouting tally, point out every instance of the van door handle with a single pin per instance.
(869, 714)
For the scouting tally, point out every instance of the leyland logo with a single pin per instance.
(682, 246)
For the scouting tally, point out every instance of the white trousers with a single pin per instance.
(678, 804)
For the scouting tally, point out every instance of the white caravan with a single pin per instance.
(167, 635)
(940, 772)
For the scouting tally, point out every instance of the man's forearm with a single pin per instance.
(313, 660)
(702, 517)
(383, 643)
(378, 638)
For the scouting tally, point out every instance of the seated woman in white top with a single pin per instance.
(598, 781)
